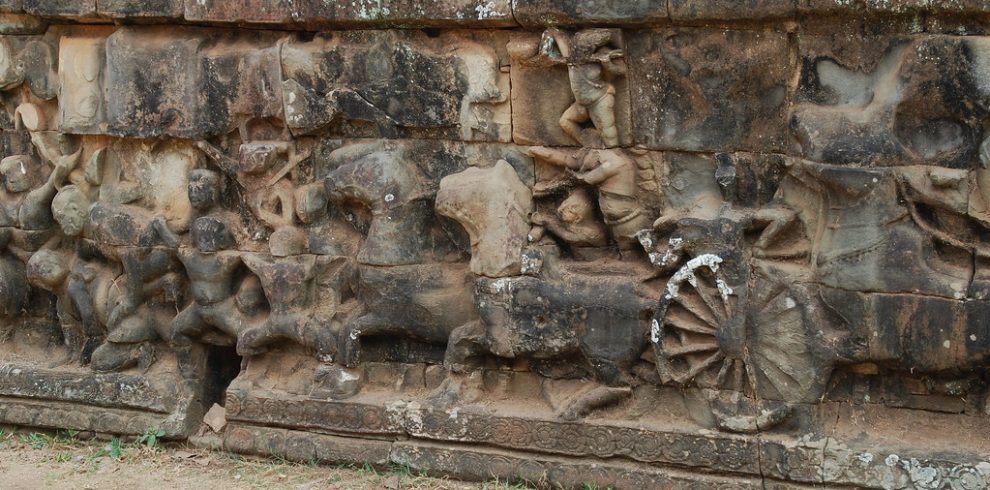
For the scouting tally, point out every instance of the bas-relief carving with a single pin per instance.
(427, 237)
(575, 87)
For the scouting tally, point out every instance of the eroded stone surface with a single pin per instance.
(736, 247)
(544, 13)
(707, 94)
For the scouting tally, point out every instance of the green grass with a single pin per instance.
(150, 438)
(36, 440)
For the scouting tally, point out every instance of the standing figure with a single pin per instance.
(212, 265)
(590, 66)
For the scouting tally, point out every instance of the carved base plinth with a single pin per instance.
(508, 425)
(117, 403)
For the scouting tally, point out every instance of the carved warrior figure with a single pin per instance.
(304, 293)
(84, 290)
(614, 174)
(591, 63)
(27, 200)
(219, 299)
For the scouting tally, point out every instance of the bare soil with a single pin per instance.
(32, 461)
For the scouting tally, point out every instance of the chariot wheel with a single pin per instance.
(749, 339)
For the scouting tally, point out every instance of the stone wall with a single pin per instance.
(681, 244)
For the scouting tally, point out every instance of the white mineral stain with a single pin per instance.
(686, 273)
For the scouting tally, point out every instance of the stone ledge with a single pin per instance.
(110, 390)
(74, 416)
(480, 443)
(115, 403)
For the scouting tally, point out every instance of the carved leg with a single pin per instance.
(317, 335)
(256, 340)
(187, 325)
(602, 114)
(73, 336)
(583, 404)
(350, 336)
(307, 332)
(112, 356)
(735, 413)
(465, 342)
(571, 120)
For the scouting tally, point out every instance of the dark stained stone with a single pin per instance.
(687, 11)
(537, 13)
(141, 9)
(704, 94)
(60, 8)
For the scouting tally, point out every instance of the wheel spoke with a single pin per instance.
(690, 349)
(751, 375)
(738, 373)
(685, 322)
(703, 365)
(697, 308)
(766, 297)
(711, 297)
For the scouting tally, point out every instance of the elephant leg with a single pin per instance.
(466, 342)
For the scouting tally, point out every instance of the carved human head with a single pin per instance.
(211, 234)
(21, 173)
(204, 189)
(47, 269)
(71, 210)
(588, 41)
(256, 158)
(576, 207)
(311, 202)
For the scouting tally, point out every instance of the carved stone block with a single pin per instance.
(728, 10)
(398, 13)
(873, 7)
(452, 88)
(141, 9)
(548, 86)
(60, 8)
(81, 73)
(890, 102)
(21, 24)
(12, 6)
(544, 13)
(30, 59)
(181, 85)
(261, 12)
(707, 94)
(363, 13)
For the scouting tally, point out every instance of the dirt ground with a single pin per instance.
(32, 461)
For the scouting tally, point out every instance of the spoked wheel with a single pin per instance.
(696, 315)
(752, 341)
